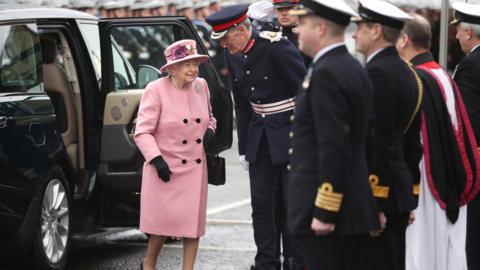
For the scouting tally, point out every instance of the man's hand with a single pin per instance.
(411, 217)
(322, 228)
(383, 224)
(244, 162)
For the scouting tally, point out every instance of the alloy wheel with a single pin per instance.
(55, 221)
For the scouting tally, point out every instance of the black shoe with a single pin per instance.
(141, 266)
(277, 266)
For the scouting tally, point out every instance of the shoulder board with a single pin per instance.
(272, 36)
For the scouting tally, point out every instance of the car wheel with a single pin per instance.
(53, 235)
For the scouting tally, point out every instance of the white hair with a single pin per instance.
(474, 27)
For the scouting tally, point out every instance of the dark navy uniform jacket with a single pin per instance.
(292, 37)
(467, 77)
(397, 98)
(271, 71)
(328, 170)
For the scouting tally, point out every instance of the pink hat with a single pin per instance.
(182, 50)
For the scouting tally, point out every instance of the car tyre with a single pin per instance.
(52, 238)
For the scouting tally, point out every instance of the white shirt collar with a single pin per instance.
(323, 51)
(474, 48)
(370, 57)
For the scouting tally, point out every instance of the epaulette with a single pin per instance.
(272, 36)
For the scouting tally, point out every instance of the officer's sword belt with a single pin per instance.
(275, 107)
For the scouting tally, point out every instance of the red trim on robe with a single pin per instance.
(428, 168)
(462, 118)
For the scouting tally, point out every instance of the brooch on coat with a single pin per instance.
(272, 36)
(198, 88)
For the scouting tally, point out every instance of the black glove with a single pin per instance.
(208, 138)
(162, 168)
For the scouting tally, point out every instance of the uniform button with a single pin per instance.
(198, 120)
(290, 151)
(235, 80)
(258, 101)
(292, 117)
(199, 141)
(185, 121)
(289, 167)
(266, 78)
(253, 88)
(184, 141)
(263, 115)
(184, 161)
(248, 72)
(245, 56)
(198, 160)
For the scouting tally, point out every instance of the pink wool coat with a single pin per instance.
(171, 123)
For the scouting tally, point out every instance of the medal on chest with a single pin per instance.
(306, 81)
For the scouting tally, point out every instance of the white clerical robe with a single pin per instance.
(432, 241)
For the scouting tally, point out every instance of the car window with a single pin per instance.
(91, 34)
(124, 77)
(20, 59)
(141, 46)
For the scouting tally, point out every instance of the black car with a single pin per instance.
(68, 162)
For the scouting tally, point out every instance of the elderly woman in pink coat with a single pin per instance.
(174, 124)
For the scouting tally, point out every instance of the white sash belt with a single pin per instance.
(275, 107)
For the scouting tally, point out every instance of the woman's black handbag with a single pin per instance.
(215, 164)
(216, 170)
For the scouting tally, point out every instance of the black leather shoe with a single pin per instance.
(278, 266)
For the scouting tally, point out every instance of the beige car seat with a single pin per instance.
(58, 88)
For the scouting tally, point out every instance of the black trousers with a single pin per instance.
(292, 260)
(267, 183)
(388, 250)
(332, 252)
(473, 234)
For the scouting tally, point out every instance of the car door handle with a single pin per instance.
(36, 132)
(3, 122)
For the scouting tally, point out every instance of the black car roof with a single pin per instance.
(12, 11)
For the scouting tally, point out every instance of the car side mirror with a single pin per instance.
(146, 74)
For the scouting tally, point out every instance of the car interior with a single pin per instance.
(60, 83)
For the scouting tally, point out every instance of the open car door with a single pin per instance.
(132, 52)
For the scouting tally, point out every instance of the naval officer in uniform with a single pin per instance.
(467, 18)
(288, 22)
(331, 208)
(266, 72)
(395, 149)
